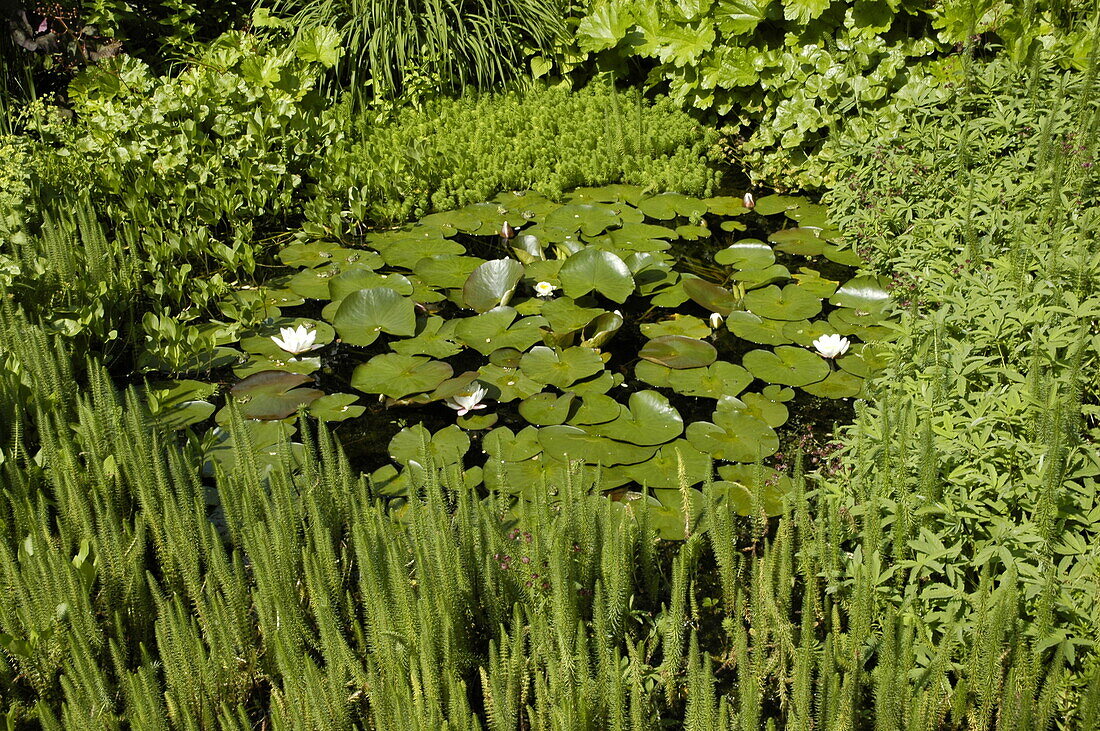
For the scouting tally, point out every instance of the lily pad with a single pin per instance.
(790, 303)
(711, 296)
(756, 329)
(754, 278)
(673, 519)
(367, 313)
(595, 408)
(406, 252)
(566, 443)
(805, 332)
(319, 253)
(396, 375)
(498, 328)
(665, 468)
(863, 293)
(435, 336)
(589, 218)
(547, 409)
(677, 351)
(449, 271)
(771, 204)
(507, 384)
(336, 407)
(415, 444)
(560, 368)
(179, 404)
(592, 270)
(687, 326)
(492, 284)
(802, 241)
(746, 254)
(839, 384)
(786, 365)
(648, 420)
(566, 316)
(272, 395)
(508, 446)
(734, 436)
(812, 281)
(600, 330)
(666, 206)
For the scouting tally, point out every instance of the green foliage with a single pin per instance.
(302, 602)
(456, 152)
(406, 48)
(160, 31)
(786, 73)
(980, 196)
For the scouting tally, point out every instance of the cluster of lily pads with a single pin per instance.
(570, 339)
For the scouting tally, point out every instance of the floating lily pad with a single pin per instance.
(498, 328)
(690, 232)
(687, 326)
(771, 411)
(805, 332)
(631, 194)
(435, 337)
(396, 375)
(352, 280)
(666, 206)
(505, 445)
(476, 421)
(672, 460)
(251, 363)
(602, 382)
(746, 254)
(592, 270)
(528, 248)
(566, 316)
(560, 368)
(415, 444)
(313, 283)
(319, 253)
(179, 404)
(734, 436)
(803, 241)
(271, 395)
(863, 293)
(527, 203)
(590, 218)
(262, 344)
(839, 384)
(405, 253)
(367, 313)
(844, 257)
(755, 278)
(507, 384)
(336, 407)
(738, 496)
(595, 408)
(573, 443)
(771, 204)
(600, 330)
(673, 519)
(677, 351)
(790, 303)
(725, 205)
(492, 284)
(268, 441)
(547, 409)
(756, 329)
(812, 282)
(786, 365)
(711, 296)
(449, 271)
(649, 419)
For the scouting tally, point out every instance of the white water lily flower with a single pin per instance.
(296, 340)
(748, 201)
(468, 400)
(832, 346)
(544, 289)
(715, 320)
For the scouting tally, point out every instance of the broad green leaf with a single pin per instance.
(790, 303)
(560, 368)
(492, 284)
(271, 395)
(365, 314)
(788, 366)
(396, 375)
(650, 419)
(676, 351)
(593, 270)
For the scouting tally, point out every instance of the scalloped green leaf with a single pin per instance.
(395, 375)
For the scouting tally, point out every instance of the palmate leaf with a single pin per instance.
(803, 11)
(736, 17)
(604, 26)
(677, 44)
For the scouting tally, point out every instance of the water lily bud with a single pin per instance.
(715, 321)
(507, 232)
(544, 289)
(748, 201)
(831, 346)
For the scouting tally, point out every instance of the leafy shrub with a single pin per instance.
(192, 169)
(455, 152)
(977, 189)
(455, 45)
(788, 72)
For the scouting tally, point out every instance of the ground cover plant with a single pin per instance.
(515, 411)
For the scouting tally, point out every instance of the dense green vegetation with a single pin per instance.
(378, 365)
